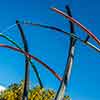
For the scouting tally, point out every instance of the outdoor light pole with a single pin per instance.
(26, 84)
(64, 83)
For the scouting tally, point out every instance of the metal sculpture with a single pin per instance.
(29, 57)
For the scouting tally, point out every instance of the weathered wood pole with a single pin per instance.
(66, 76)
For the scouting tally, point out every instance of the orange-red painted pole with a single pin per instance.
(78, 23)
(33, 57)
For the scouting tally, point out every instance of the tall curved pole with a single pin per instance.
(26, 84)
(33, 66)
(67, 72)
(77, 23)
(32, 57)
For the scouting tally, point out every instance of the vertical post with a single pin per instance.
(26, 49)
(26, 84)
(66, 76)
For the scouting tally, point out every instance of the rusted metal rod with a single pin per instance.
(77, 23)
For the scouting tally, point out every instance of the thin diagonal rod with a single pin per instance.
(56, 29)
(77, 23)
(70, 59)
(32, 57)
(33, 66)
(66, 33)
(8, 28)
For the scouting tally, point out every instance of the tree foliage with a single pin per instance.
(15, 92)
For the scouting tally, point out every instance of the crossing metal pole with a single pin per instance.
(26, 84)
(66, 76)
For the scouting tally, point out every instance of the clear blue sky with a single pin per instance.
(50, 46)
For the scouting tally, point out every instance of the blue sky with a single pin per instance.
(50, 46)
